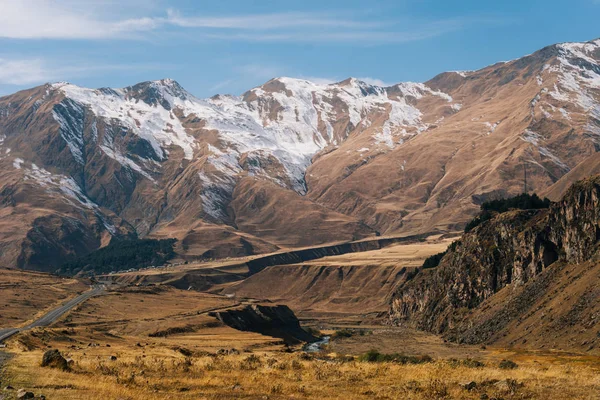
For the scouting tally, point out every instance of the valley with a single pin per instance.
(171, 247)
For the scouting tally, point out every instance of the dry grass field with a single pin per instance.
(159, 342)
(348, 288)
(165, 373)
(25, 295)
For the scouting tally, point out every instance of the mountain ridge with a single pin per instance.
(346, 160)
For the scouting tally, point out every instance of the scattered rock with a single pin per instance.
(53, 359)
(508, 386)
(23, 394)
(113, 358)
(469, 385)
(9, 388)
(225, 352)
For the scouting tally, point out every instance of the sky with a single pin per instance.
(230, 46)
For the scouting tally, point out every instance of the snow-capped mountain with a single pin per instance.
(291, 162)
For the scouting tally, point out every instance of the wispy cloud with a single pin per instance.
(262, 22)
(44, 19)
(29, 71)
(47, 19)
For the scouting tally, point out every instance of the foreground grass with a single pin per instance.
(167, 374)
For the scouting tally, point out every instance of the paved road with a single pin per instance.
(55, 314)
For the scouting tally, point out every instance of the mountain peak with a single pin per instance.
(162, 91)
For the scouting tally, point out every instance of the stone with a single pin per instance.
(53, 359)
(23, 394)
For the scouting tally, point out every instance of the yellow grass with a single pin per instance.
(26, 295)
(162, 373)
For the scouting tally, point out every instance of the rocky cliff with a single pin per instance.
(507, 269)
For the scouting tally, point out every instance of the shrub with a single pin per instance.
(122, 255)
(376, 356)
(490, 208)
(469, 363)
(343, 333)
(507, 364)
(434, 260)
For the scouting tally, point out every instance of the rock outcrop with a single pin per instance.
(518, 255)
(277, 321)
(53, 359)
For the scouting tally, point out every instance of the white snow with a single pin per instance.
(491, 127)
(288, 119)
(577, 83)
(464, 74)
(152, 122)
(536, 140)
(18, 162)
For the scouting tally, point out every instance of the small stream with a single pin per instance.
(315, 347)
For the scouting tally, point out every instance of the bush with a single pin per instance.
(376, 356)
(343, 333)
(434, 260)
(121, 255)
(468, 363)
(490, 208)
(507, 364)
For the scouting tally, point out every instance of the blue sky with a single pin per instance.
(230, 46)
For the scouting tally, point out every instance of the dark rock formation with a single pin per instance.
(53, 359)
(515, 248)
(277, 321)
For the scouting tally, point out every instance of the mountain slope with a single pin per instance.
(523, 278)
(289, 163)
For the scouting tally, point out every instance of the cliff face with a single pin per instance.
(518, 254)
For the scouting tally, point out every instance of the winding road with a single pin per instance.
(55, 314)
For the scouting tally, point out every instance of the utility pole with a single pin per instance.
(524, 177)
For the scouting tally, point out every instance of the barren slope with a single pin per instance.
(290, 163)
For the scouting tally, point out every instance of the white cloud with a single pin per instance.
(111, 19)
(264, 21)
(28, 71)
(46, 19)
(22, 72)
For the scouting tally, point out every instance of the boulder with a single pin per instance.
(23, 394)
(53, 359)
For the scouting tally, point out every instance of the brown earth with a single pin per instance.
(26, 295)
(67, 188)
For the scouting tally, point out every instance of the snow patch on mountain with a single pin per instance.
(579, 76)
(151, 122)
(288, 119)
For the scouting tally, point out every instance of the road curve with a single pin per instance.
(55, 314)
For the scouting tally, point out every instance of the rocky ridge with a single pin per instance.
(290, 163)
(510, 268)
